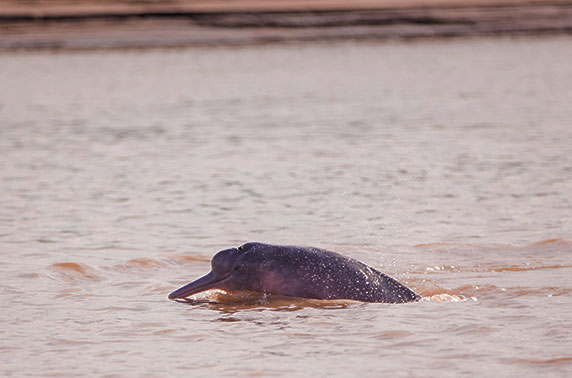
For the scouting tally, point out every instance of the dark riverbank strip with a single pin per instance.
(173, 28)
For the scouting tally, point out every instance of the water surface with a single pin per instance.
(446, 164)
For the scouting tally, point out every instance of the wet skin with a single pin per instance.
(302, 272)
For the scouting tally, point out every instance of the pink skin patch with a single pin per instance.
(273, 282)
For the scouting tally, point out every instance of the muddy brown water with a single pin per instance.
(446, 164)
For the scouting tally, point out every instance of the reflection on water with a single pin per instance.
(233, 302)
(445, 164)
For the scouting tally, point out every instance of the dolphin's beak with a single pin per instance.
(207, 282)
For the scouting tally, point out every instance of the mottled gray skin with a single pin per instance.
(303, 272)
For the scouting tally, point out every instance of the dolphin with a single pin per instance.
(303, 272)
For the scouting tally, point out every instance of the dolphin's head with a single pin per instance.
(231, 269)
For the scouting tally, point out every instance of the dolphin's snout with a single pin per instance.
(207, 282)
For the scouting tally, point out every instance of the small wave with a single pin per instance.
(119, 308)
(557, 241)
(185, 259)
(472, 292)
(443, 244)
(75, 271)
(81, 271)
(488, 248)
(516, 268)
(393, 334)
(142, 263)
(554, 361)
(145, 263)
(553, 291)
(29, 275)
(65, 342)
(482, 268)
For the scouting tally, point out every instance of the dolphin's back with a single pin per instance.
(316, 273)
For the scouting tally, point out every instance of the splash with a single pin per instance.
(448, 298)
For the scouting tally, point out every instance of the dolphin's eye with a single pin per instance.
(245, 247)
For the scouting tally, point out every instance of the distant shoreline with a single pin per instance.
(58, 9)
(134, 25)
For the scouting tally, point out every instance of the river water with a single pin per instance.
(444, 163)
